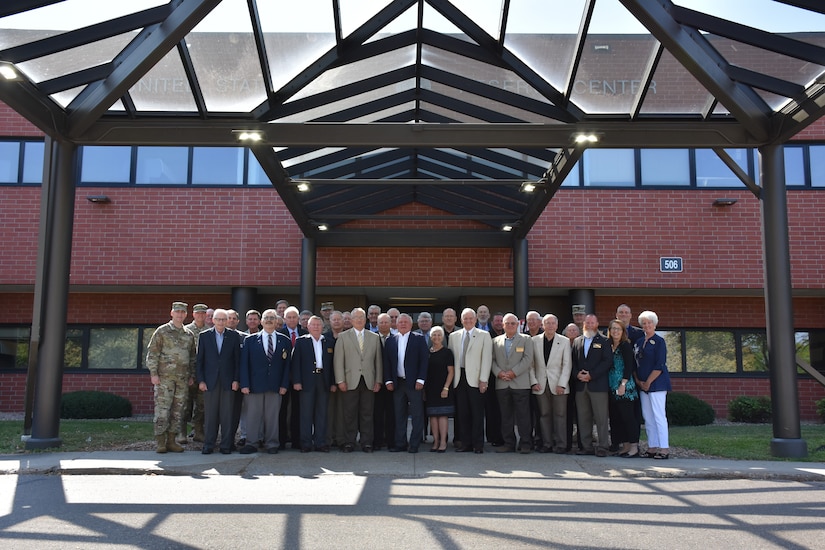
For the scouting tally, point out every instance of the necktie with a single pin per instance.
(361, 341)
(270, 349)
(292, 337)
(464, 345)
(219, 340)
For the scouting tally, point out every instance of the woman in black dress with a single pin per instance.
(440, 404)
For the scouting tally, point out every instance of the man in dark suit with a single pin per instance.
(265, 364)
(290, 414)
(312, 379)
(592, 361)
(406, 358)
(216, 371)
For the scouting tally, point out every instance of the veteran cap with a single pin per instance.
(179, 306)
(579, 309)
(199, 308)
(327, 305)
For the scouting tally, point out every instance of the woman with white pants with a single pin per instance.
(654, 381)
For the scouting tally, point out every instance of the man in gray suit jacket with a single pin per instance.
(358, 373)
(513, 369)
(217, 374)
(552, 365)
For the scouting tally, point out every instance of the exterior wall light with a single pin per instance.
(9, 72)
(724, 202)
(98, 199)
(248, 135)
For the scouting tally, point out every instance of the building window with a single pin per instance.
(712, 172)
(14, 347)
(665, 167)
(673, 340)
(609, 168)
(105, 164)
(162, 165)
(817, 156)
(113, 348)
(217, 166)
(73, 350)
(754, 352)
(710, 351)
(794, 166)
(9, 161)
(33, 161)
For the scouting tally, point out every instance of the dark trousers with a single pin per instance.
(217, 408)
(515, 411)
(358, 404)
(237, 406)
(492, 414)
(625, 420)
(470, 411)
(314, 405)
(408, 402)
(289, 419)
(384, 418)
(572, 419)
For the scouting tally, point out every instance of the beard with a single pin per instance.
(589, 333)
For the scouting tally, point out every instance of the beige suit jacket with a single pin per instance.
(556, 371)
(350, 364)
(520, 362)
(479, 358)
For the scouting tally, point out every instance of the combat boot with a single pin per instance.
(198, 437)
(161, 439)
(171, 445)
(181, 438)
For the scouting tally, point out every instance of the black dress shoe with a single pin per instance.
(348, 448)
(397, 449)
(206, 451)
(478, 450)
(323, 449)
(226, 451)
(248, 449)
(412, 450)
(463, 449)
(272, 450)
(545, 450)
(242, 442)
(367, 448)
(306, 449)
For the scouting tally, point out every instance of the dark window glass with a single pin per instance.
(217, 166)
(754, 352)
(710, 351)
(33, 162)
(73, 350)
(14, 348)
(103, 164)
(162, 165)
(113, 348)
(673, 339)
(9, 161)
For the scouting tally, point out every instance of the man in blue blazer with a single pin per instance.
(312, 380)
(216, 371)
(406, 358)
(265, 363)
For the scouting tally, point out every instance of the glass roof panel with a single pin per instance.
(67, 96)
(767, 15)
(407, 21)
(544, 37)
(74, 14)
(312, 155)
(453, 115)
(226, 63)
(10, 38)
(354, 13)
(357, 71)
(296, 37)
(478, 71)
(475, 101)
(438, 23)
(353, 101)
(164, 87)
(674, 90)
(75, 59)
(484, 13)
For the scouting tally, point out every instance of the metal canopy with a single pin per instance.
(446, 104)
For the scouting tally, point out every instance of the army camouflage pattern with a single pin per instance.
(171, 357)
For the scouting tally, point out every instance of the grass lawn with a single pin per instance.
(82, 435)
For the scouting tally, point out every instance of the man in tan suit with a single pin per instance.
(552, 364)
(358, 373)
(473, 352)
(513, 369)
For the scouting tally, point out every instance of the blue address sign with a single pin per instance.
(670, 265)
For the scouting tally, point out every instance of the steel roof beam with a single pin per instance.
(143, 53)
(556, 174)
(403, 239)
(281, 182)
(694, 52)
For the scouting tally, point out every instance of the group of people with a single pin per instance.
(359, 381)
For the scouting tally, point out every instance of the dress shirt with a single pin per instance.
(219, 339)
(318, 347)
(587, 342)
(401, 342)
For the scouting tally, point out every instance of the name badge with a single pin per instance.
(329, 350)
(597, 346)
(520, 350)
(283, 356)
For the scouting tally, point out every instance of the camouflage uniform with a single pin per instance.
(193, 409)
(171, 357)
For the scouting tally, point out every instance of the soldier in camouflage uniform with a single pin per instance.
(171, 362)
(193, 410)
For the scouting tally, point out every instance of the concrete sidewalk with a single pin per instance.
(490, 464)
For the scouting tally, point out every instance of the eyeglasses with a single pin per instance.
(219, 319)
(269, 318)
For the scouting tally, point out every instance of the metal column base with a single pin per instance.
(789, 448)
(43, 443)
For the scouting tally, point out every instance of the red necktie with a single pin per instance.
(292, 337)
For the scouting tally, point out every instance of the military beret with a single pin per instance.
(579, 309)
(327, 305)
(199, 307)
(179, 306)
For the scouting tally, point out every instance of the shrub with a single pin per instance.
(750, 409)
(94, 404)
(683, 409)
(820, 408)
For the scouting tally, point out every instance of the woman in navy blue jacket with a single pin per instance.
(654, 381)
